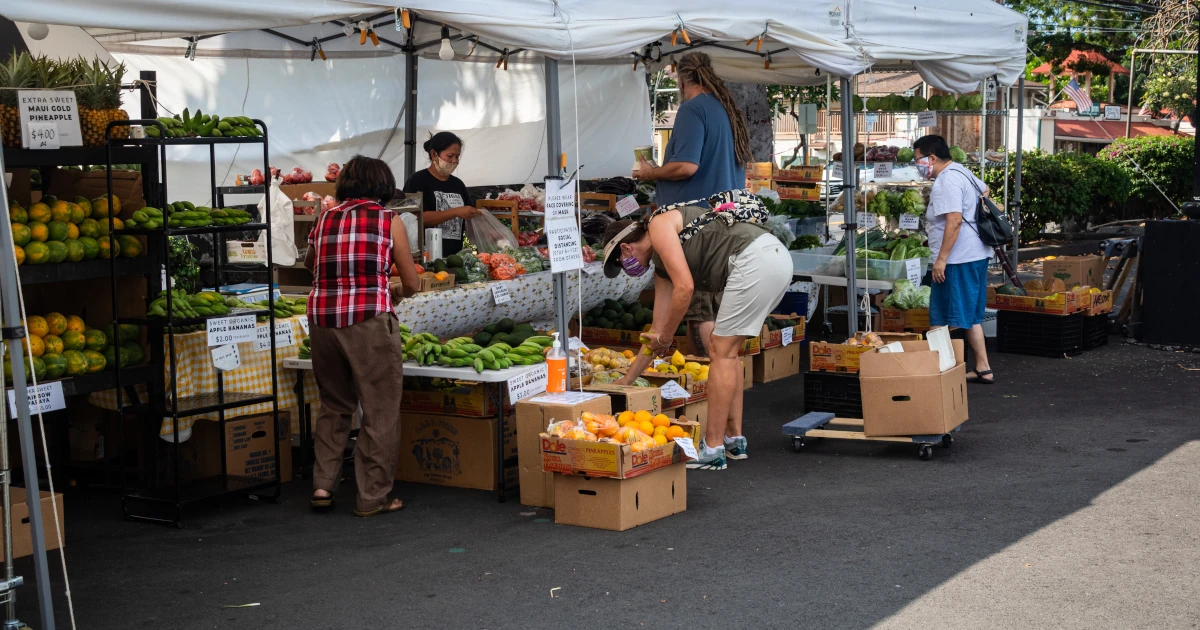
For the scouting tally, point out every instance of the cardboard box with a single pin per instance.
(22, 537)
(429, 282)
(296, 191)
(835, 357)
(451, 398)
(798, 174)
(1076, 270)
(1102, 302)
(889, 337)
(768, 338)
(533, 416)
(620, 504)
(454, 451)
(628, 397)
(747, 365)
(246, 252)
(803, 192)
(685, 381)
(1062, 303)
(899, 320)
(695, 412)
(604, 459)
(755, 184)
(777, 363)
(249, 447)
(610, 338)
(760, 170)
(905, 393)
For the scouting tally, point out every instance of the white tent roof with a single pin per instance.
(953, 45)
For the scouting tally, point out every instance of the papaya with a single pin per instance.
(91, 248)
(129, 246)
(77, 363)
(56, 324)
(89, 228)
(34, 345)
(128, 333)
(60, 211)
(58, 230)
(102, 208)
(53, 344)
(74, 250)
(17, 214)
(37, 325)
(136, 354)
(94, 339)
(39, 212)
(105, 245)
(56, 365)
(21, 234)
(38, 231)
(19, 254)
(73, 341)
(75, 324)
(72, 231)
(36, 253)
(95, 361)
(58, 251)
(84, 204)
(76, 212)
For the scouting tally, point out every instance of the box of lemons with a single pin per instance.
(16, 213)
(21, 234)
(38, 232)
(75, 251)
(58, 251)
(77, 363)
(73, 340)
(39, 212)
(102, 208)
(56, 365)
(56, 323)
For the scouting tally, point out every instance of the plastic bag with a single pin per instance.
(560, 428)
(488, 234)
(767, 193)
(778, 225)
(283, 243)
(902, 293)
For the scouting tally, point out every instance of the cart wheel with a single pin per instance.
(947, 441)
(926, 452)
(797, 444)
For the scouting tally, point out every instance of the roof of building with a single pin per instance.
(1105, 131)
(888, 83)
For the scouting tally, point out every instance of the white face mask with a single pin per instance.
(444, 168)
(924, 168)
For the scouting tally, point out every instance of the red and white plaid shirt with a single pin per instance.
(352, 243)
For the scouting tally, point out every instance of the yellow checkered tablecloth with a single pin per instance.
(196, 375)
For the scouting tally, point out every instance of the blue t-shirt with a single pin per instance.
(704, 137)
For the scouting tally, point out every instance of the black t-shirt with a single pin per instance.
(437, 196)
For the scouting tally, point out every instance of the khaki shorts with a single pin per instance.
(758, 278)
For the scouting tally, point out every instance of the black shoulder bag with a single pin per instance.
(991, 225)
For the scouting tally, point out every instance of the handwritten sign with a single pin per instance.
(226, 358)
(560, 199)
(226, 330)
(910, 222)
(565, 249)
(285, 335)
(837, 171)
(44, 398)
(883, 170)
(627, 206)
(787, 335)
(927, 119)
(868, 219)
(500, 293)
(689, 448)
(912, 268)
(303, 321)
(528, 383)
(49, 112)
(672, 390)
(1112, 112)
(567, 398)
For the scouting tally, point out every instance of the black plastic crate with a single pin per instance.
(1039, 334)
(833, 392)
(1095, 331)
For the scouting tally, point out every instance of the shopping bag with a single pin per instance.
(283, 237)
(489, 235)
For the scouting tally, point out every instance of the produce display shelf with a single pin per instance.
(241, 190)
(798, 181)
(153, 142)
(200, 489)
(178, 322)
(940, 112)
(100, 381)
(215, 229)
(87, 270)
(81, 156)
(208, 403)
(525, 215)
(840, 281)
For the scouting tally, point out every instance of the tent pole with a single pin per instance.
(849, 183)
(1017, 172)
(562, 318)
(14, 330)
(410, 110)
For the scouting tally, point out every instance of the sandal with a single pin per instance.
(321, 503)
(387, 508)
(978, 378)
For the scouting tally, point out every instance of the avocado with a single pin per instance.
(627, 321)
(482, 339)
(604, 322)
(525, 327)
(502, 338)
(610, 314)
(440, 265)
(460, 275)
(517, 338)
(506, 325)
(613, 305)
(596, 312)
(640, 318)
(491, 329)
(587, 321)
(454, 260)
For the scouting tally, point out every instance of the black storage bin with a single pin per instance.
(833, 392)
(1095, 331)
(1039, 334)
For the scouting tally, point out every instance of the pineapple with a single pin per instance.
(18, 73)
(113, 101)
(91, 94)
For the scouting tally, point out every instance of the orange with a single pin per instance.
(675, 431)
(660, 431)
(646, 427)
(37, 326)
(56, 323)
(624, 417)
(642, 416)
(75, 323)
(660, 439)
(661, 421)
(638, 447)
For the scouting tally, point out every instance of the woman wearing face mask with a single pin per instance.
(694, 248)
(444, 196)
(959, 290)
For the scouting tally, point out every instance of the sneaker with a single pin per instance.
(737, 449)
(708, 461)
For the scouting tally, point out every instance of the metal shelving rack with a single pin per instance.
(164, 398)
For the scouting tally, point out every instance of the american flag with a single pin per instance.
(1082, 101)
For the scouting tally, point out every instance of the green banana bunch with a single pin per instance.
(425, 349)
(181, 305)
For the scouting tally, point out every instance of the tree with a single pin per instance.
(783, 99)
(1171, 79)
(1171, 89)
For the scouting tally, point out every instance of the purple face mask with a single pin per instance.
(633, 268)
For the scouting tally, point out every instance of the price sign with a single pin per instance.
(563, 238)
(627, 206)
(910, 222)
(593, 268)
(44, 398)
(49, 117)
(990, 90)
(500, 293)
(285, 335)
(303, 320)
(528, 383)
(225, 330)
(787, 334)
(689, 448)
(883, 170)
(43, 136)
(567, 398)
(226, 358)
(672, 390)
(926, 119)
(837, 171)
(560, 199)
(867, 219)
(912, 268)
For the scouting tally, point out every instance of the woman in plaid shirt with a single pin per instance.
(356, 349)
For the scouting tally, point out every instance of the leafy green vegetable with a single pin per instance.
(806, 241)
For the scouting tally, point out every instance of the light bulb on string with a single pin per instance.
(446, 52)
(38, 31)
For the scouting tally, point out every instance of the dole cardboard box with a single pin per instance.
(536, 413)
(454, 451)
(604, 459)
(1102, 302)
(451, 398)
(620, 504)
(660, 379)
(776, 363)
(900, 320)
(1061, 303)
(768, 338)
(627, 398)
(906, 393)
(834, 357)
(1075, 270)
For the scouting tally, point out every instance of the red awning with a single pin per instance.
(1104, 130)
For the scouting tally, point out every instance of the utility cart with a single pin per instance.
(821, 424)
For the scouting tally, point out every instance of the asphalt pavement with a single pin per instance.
(1071, 499)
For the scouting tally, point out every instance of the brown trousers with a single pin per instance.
(360, 365)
